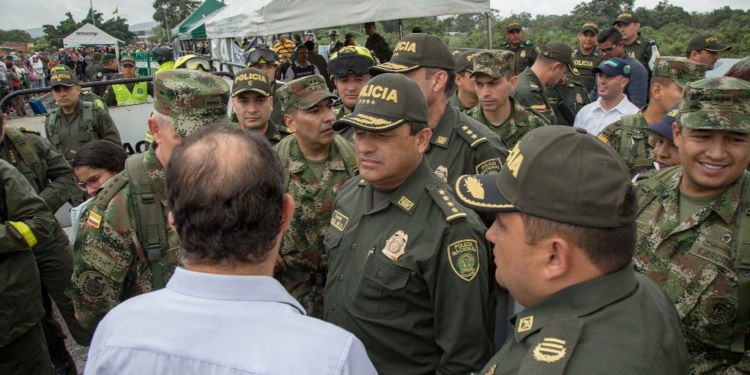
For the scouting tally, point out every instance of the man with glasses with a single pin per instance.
(51, 177)
(349, 68)
(265, 59)
(611, 45)
(525, 51)
(128, 93)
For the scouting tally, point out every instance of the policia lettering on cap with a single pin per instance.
(564, 236)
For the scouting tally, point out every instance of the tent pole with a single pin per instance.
(91, 3)
(489, 30)
(400, 29)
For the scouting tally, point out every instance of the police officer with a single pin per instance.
(317, 162)
(349, 69)
(335, 44)
(377, 44)
(525, 50)
(124, 246)
(408, 266)
(24, 220)
(626, 135)
(554, 62)
(128, 93)
(494, 74)
(264, 58)
(465, 97)
(568, 97)
(586, 55)
(109, 70)
(705, 49)
(638, 47)
(252, 104)
(459, 144)
(93, 71)
(563, 249)
(164, 56)
(694, 226)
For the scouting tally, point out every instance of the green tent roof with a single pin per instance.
(198, 30)
(208, 7)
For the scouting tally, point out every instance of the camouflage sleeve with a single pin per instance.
(28, 221)
(743, 367)
(610, 134)
(460, 277)
(104, 253)
(107, 129)
(59, 173)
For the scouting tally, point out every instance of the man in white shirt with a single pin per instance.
(612, 104)
(224, 313)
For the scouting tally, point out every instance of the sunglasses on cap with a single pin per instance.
(350, 59)
(193, 63)
(260, 56)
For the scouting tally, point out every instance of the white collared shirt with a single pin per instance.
(594, 118)
(220, 324)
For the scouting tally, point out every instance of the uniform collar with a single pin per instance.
(575, 301)
(406, 197)
(441, 135)
(726, 205)
(272, 132)
(297, 161)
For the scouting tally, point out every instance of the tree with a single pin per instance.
(116, 27)
(55, 35)
(174, 11)
(15, 35)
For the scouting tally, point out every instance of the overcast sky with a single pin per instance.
(30, 14)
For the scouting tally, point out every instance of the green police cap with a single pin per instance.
(513, 26)
(707, 42)
(626, 17)
(557, 173)
(681, 70)
(304, 92)
(190, 98)
(561, 52)
(716, 104)
(386, 102)
(108, 56)
(494, 63)
(590, 26)
(62, 77)
(127, 60)
(415, 51)
(464, 60)
(251, 79)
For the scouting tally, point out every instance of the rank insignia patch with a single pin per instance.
(396, 245)
(550, 350)
(526, 324)
(464, 258)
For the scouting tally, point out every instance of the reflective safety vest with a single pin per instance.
(124, 96)
(166, 66)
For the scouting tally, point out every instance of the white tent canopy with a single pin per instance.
(89, 34)
(240, 18)
(282, 16)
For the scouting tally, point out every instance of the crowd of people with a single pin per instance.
(405, 210)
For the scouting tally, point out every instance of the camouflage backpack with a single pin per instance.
(633, 147)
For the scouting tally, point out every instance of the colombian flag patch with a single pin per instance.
(94, 219)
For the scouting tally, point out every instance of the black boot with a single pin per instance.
(62, 361)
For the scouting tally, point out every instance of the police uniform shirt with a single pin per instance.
(409, 276)
(620, 323)
(585, 65)
(574, 94)
(275, 133)
(530, 93)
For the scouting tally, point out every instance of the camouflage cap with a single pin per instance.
(190, 98)
(716, 104)
(251, 79)
(557, 173)
(415, 51)
(61, 75)
(464, 60)
(681, 70)
(494, 63)
(386, 102)
(127, 60)
(626, 17)
(304, 92)
(560, 52)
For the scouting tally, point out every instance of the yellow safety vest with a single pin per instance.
(166, 66)
(124, 96)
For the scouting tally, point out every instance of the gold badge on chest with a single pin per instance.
(396, 245)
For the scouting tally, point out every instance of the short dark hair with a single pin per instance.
(416, 127)
(664, 81)
(310, 45)
(611, 35)
(227, 209)
(609, 249)
(100, 154)
(450, 85)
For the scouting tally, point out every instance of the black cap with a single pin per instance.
(707, 42)
(251, 79)
(590, 26)
(626, 17)
(417, 50)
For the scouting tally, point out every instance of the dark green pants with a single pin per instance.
(26, 355)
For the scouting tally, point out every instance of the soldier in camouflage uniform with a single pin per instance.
(465, 97)
(495, 77)
(377, 44)
(459, 144)
(638, 47)
(111, 262)
(586, 55)
(252, 104)
(694, 227)
(568, 97)
(525, 51)
(349, 68)
(627, 136)
(407, 262)
(316, 162)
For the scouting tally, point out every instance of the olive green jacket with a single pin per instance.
(532, 94)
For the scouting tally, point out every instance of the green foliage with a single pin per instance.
(116, 27)
(174, 11)
(18, 36)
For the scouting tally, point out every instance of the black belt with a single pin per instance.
(312, 278)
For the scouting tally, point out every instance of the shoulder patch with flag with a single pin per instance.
(94, 220)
